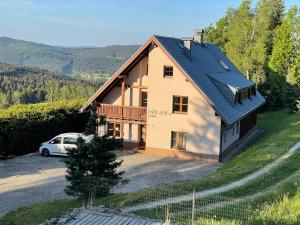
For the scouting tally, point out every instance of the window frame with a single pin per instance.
(57, 138)
(70, 143)
(168, 74)
(113, 131)
(181, 143)
(180, 104)
(147, 69)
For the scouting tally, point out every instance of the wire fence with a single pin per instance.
(164, 204)
(186, 209)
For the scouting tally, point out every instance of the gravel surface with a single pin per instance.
(33, 178)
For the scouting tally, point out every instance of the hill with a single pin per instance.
(21, 84)
(79, 61)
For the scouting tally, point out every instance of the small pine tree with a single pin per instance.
(92, 167)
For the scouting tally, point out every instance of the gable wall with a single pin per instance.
(201, 124)
(132, 96)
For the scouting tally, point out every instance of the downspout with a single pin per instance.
(220, 145)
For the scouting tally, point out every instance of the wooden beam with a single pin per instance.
(122, 103)
(126, 121)
(136, 86)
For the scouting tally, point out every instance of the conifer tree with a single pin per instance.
(92, 167)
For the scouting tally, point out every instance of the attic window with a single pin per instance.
(168, 71)
(223, 64)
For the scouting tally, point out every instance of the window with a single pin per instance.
(69, 140)
(249, 93)
(178, 140)
(168, 71)
(253, 90)
(180, 104)
(223, 64)
(239, 97)
(114, 129)
(144, 99)
(56, 141)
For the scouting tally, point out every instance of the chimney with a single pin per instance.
(199, 36)
(187, 43)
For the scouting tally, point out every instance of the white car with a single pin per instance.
(59, 144)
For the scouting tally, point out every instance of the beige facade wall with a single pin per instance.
(203, 127)
(137, 76)
(230, 135)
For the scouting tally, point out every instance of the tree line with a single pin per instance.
(264, 43)
(22, 85)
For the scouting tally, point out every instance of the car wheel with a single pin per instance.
(45, 152)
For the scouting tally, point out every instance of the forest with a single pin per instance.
(63, 60)
(264, 43)
(22, 85)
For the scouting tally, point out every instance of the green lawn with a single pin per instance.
(281, 131)
(38, 213)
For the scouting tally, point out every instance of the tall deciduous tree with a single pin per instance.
(218, 34)
(267, 17)
(286, 51)
(3, 100)
(53, 90)
(240, 37)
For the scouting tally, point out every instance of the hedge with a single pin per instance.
(24, 127)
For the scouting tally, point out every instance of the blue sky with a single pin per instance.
(107, 22)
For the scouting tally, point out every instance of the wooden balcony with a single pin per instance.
(126, 113)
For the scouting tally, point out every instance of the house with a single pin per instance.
(179, 97)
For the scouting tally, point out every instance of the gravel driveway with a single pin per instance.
(30, 179)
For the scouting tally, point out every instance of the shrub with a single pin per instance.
(24, 127)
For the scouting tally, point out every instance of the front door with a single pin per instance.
(142, 135)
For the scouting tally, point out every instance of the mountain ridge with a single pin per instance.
(65, 60)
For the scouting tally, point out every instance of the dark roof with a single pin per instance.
(204, 66)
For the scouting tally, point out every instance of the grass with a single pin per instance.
(277, 138)
(38, 213)
(281, 131)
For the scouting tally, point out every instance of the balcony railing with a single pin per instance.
(123, 112)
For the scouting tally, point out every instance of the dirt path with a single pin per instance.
(252, 196)
(218, 190)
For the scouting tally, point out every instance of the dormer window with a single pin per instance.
(168, 71)
(240, 97)
(253, 90)
(249, 93)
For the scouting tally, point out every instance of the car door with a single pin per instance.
(69, 142)
(55, 146)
